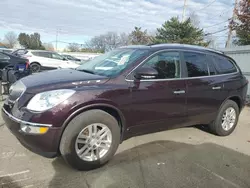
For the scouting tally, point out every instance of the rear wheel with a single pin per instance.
(35, 67)
(226, 120)
(90, 140)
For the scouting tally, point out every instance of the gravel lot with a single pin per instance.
(187, 157)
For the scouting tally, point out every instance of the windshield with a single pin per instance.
(112, 63)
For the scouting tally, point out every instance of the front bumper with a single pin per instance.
(44, 144)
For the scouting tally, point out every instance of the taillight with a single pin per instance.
(27, 64)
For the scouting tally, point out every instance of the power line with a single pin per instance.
(207, 34)
(205, 6)
(218, 23)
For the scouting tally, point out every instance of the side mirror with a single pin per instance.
(145, 73)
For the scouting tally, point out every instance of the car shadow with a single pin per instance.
(162, 164)
(204, 128)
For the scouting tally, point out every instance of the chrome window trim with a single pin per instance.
(169, 79)
(25, 122)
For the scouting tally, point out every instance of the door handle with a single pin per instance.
(179, 92)
(216, 88)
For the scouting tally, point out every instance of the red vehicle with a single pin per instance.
(84, 114)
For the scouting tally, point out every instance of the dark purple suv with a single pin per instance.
(84, 114)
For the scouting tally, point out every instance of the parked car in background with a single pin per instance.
(71, 58)
(45, 60)
(7, 50)
(84, 114)
(83, 56)
(7, 59)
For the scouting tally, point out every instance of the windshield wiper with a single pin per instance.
(85, 70)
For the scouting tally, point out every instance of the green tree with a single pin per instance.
(137, 37)
(174, 31)
(242, 24)
(32, 41)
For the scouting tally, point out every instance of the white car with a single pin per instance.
(45, 60)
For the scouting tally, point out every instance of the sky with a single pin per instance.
(79, 20)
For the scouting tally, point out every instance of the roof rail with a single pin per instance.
(188, 46)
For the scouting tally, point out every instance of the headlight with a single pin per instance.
(46, 100)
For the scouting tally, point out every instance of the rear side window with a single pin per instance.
(44, 54)
(223, 65)
(196, 64)
(20, 52)
(4, 57)
(36, 53)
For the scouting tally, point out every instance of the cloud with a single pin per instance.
(94, 17)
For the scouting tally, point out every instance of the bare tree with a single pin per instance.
(10, 39)
(124, 39)
(139, 37)
(108, 41)
(73, 47)
(49, 46)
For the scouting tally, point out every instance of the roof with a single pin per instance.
(38, 50)
(173, 45)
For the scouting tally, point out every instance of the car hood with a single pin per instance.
(61, 78)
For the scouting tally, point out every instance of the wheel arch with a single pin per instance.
(236, 99)
(35, 62)
(110, 109)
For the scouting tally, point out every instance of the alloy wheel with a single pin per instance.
(228, 119)
(35, 68)
(93, 142)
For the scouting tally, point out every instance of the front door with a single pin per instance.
(158, 103)
(58, 60)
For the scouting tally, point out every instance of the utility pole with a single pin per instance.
(229, 37)
(184, 10)
(56, 38)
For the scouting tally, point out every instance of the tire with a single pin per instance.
(79, 124)
(216, 126)
(35, 67)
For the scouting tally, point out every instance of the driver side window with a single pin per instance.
(167, 65)
(56, 56)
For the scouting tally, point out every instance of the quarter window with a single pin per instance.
(166, 63)
(196, 64)
(224, 66)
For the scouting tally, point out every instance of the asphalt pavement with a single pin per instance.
(186, 157)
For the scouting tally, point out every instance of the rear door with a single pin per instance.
(160, 102)
(228, 81)
(203, 88)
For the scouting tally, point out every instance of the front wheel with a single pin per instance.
(90, 140)
(226, 120)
